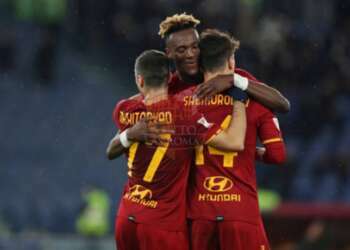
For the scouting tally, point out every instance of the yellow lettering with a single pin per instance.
(201, 197)
(228, 157)
(199, 155)
(220, 197)
(142, 115)
(227, 100)
(156, 159)
(227, 197)
(169, 118)
(136, 114)
(131, 158)
(186, 100)
(213, 100)
(220, 99)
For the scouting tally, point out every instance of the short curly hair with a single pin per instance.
(176, 23)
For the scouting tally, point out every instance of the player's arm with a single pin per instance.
(264, 94)
(272, 154)
(115, 148)
(274, 150)
(142, 131)
(232, 138)
(268, 96)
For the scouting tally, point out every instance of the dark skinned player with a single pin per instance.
(182, 46)
(152, 212)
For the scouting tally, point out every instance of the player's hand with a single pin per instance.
(147, 131)
(260, 151)
(214, 86)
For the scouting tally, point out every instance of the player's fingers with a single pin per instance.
(205, 93)
(143, 119)
(200, 94)
(157, 140)
(154, 143)
(165, 131)
(164, 141)
(155, 124)
(143, 123)
(149, 121)
(160, 125)
(161, 130)
(160, 143)
(210, 93)
(200, 89)
(165, 127)
(151, 138)
(153, 130)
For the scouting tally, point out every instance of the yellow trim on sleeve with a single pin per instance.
(211, 137)
(277, 139)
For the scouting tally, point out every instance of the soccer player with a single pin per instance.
(223, 203)
(152, 211)
(182, 46)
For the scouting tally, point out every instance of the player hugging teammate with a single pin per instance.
(219, 198)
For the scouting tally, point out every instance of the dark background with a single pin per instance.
(64, 65)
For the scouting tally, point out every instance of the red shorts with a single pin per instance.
(226, 235)
(134, 236)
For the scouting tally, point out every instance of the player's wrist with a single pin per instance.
(124, 140)
(240, 82)
(238, 94)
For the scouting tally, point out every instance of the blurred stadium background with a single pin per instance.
(65, 63)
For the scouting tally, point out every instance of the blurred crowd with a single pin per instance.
(300, 47)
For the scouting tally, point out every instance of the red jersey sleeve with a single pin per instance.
(271, 137)
(116, 114)
(121, 109)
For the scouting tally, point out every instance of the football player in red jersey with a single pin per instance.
(152, 211)
(182, 46)
(223, 203)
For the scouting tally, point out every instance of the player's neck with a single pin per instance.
(198, 78)
(209, 75)
(155, 95)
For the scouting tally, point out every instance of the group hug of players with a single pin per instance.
(190, 140)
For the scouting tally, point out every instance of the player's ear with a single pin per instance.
(140, 81)
(168, 53)
(168, 77)
(232, 62)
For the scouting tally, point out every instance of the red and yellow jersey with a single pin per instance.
(177, 85)
(223, 184)
(155, 192)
